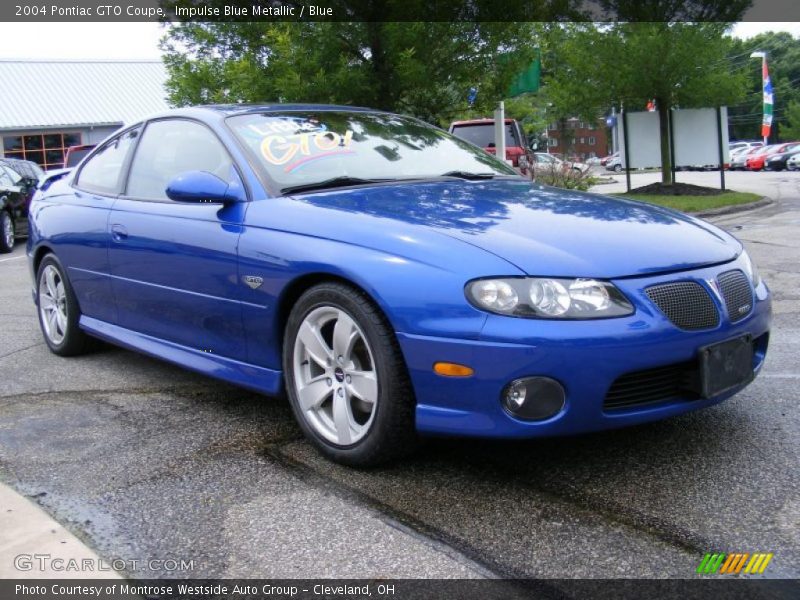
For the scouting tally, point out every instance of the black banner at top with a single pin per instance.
(399, 10)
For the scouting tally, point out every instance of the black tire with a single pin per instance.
(392, 433)
(6, 245)
(75, 341)
(617, 168)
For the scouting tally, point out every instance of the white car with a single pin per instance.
(549, 161)
(615, 164)
(793, 164)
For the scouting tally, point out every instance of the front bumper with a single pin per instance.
(584, 356)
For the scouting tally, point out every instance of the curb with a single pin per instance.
(736, 208)
(27, 534)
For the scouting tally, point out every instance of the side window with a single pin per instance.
(103, 172)
(171, 147)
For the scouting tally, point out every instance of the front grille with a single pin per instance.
(735, 289)
(685, 303)
(653, 385)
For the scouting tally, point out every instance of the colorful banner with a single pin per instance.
(766, 123)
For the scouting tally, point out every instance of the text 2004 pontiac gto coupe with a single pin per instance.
(397, 281)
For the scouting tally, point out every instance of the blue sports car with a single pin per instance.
(395, 281)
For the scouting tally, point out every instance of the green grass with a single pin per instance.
(695, 203)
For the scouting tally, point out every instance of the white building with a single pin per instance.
(46, 106)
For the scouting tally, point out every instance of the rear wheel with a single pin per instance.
(6, 232)
(346, 379)
(58, 310)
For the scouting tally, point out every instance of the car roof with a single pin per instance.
(484, 121)
(221, 111)
(236, 109)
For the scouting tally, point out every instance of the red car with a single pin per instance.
(755, 162)
(481, 133)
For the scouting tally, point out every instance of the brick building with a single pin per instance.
(576, 139)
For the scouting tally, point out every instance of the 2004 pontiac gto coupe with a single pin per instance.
(395, 280)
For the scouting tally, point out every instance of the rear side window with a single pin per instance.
(103, 172)
(483, 134)
(171, 147)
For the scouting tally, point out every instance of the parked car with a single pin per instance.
(738, 160)
(548, 161)
(76, 154)
(615, 163)
(395, 280)
(755, 162)
(777, 161)
(793, 163)
(605, 159)
(18, 180)
(481, 133)
(738, 145)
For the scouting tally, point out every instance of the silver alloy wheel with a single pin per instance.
(335, 376)
(8, 230)
(53, 304)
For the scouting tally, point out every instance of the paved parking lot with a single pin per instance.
(144, 460)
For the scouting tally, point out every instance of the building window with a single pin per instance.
(553, 127)
(552, 142)
(45, 149)
(592, 141)
(583, 140)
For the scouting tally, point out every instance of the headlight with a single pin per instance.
(750, 269)
(549, 298)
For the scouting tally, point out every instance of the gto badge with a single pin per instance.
(253, 281)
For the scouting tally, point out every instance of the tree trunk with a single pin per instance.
(380, 66)
(663, 131)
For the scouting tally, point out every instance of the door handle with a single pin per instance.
(119, 233)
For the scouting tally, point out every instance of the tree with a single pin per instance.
(425, 69)
(679, 65)
(790, 128)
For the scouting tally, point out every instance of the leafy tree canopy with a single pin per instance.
(424, 69)
(679, 65)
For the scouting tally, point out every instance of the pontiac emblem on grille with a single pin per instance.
(253, 281)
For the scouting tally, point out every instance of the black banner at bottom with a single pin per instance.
(400, 589)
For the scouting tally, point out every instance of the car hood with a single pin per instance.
(543, 230)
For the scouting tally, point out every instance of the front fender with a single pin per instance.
(420, 291)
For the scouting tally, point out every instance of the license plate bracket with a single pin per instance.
(726, 365)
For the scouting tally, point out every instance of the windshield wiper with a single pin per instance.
(468, 175)
(333, 182)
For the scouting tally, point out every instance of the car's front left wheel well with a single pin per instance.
(39, 255)
(298, 287)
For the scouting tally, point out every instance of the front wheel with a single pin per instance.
(6, 232)
(617, 168)
(58, 310)
(346, 379)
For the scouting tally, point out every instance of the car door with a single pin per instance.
(81, 218)
(174, 265)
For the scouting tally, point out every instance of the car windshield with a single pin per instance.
(482, 134)
(329, 148)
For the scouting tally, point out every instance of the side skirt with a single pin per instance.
(259, 379)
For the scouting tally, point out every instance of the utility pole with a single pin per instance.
(500, 131)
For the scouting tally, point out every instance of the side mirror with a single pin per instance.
(204, 187)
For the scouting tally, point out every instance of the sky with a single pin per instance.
(140, 40)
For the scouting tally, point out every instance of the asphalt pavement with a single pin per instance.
(143, 460)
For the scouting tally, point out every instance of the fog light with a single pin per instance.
(533, 398)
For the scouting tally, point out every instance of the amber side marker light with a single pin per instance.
(452, 369)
